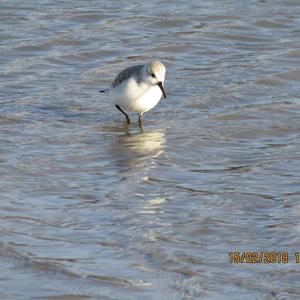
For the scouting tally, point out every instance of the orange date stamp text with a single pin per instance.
(267, 257)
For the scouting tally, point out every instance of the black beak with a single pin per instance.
(162, 89)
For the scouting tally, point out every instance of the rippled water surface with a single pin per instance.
(91, 211)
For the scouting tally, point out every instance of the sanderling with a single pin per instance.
(138, 88)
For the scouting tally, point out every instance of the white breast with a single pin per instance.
(134, 97)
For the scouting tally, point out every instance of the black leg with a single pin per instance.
(140, 120)
(124, 113)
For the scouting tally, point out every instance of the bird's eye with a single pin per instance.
(152, 74)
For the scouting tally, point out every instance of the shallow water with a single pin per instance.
(90, 210)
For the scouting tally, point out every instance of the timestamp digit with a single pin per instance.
(297, 257)
(285, 257)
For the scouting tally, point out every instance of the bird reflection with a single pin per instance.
(136, 152)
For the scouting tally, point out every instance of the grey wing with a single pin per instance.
(125, 74)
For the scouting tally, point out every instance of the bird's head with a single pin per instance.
(155, 74)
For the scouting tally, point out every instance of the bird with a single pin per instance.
(138, 89)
